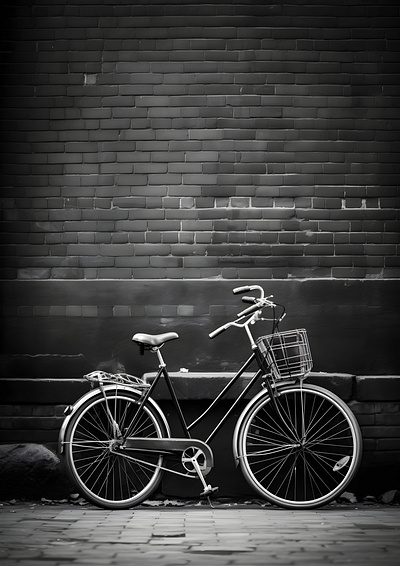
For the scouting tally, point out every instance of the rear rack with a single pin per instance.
(103, 378)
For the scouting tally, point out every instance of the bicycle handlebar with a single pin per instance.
(238, 290)
(249, 310)
(215, 333)
(249, 300)
(257, 305)
(246, 288)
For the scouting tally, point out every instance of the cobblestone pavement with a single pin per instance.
(227, 535)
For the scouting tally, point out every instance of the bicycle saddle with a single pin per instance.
(154, 339)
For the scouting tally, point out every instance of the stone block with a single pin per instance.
(199, 386)
(339, 383)
(378, 388)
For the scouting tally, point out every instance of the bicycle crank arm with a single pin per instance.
(169, 445)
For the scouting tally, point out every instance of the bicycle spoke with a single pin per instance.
(269, 451)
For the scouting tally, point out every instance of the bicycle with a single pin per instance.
(298, 445)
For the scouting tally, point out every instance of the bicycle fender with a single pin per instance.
(262, 393)
(93, 393)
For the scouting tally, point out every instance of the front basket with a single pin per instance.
(287, 354)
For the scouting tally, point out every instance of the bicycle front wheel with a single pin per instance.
(102, 473)
(303, 452)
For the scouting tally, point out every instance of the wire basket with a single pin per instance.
(287, 354)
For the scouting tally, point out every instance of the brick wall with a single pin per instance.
(149, 144)
(156, 140)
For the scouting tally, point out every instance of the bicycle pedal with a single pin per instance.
(209, 491)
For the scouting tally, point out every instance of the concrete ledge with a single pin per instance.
(189, 386)
(204, 385)
(342, 384)
(200, 386)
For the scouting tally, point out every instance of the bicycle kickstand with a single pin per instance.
(208, 490)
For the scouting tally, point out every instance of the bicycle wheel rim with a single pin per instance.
(103, 477)
(305, 460)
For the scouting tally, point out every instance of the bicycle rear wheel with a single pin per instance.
(304, 455)
(102, 476)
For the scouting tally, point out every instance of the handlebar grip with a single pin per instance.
(215, 333)
(238, 290)
(251, 300)
(249, 310)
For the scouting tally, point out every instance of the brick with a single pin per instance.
(349, 249)
(382, 388)
(349, 272)
(131, 261)
(83, 249)
(187, 249)
(388, 432)
(165, 179)
(152, 249)
(166, 262)
(67, 273)
(115, 273)
(116, 249)
(181, 215)
(149, 273)
(202, 156)
(217, 191)
(390, 420)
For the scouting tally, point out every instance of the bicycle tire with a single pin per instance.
(106, 479)
(308, 458)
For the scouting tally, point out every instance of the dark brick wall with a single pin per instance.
(154, 140)
(149, 145)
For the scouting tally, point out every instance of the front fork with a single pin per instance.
(274, 394)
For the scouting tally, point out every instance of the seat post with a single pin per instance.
(160, 358)
(163, 370)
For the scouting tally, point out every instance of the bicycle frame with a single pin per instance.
(187, 428)
(243, 321)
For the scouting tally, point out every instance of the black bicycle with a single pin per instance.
(298, 445)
